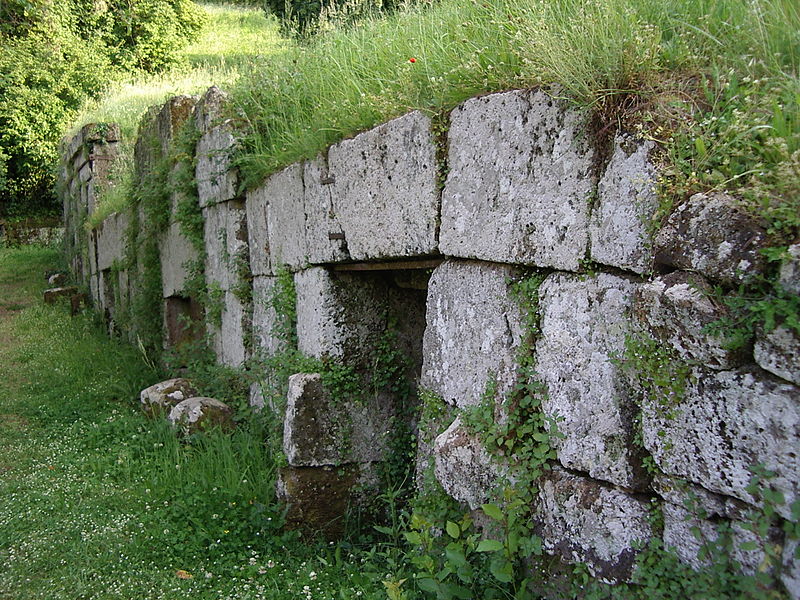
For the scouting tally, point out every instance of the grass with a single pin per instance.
(96, 501)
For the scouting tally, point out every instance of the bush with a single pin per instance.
(305, 17)
(55, 53)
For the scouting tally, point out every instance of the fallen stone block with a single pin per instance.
(320, 429)
(676, 309)
(52, 295)
(626, 202)
(584, 322)
(585, 521)
(57, 280)
(727, 423)
(198, 414)
(384, 189)
(711, 235)
(474, 328)
(520, 181)
(163, 396)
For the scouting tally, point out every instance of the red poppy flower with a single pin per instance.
(412, 60)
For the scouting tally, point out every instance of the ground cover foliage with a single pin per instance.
(54, 54)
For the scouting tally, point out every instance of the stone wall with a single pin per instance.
(371, 236)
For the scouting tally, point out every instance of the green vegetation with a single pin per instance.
(53, 54)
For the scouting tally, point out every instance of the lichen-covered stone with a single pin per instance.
(52, 295)
(676, 309)
(778, 352)
(584, 322)
(463, 467)
(384, 189)
(228, 338)
(320, 429)
(216, 178)
(728, 422)
(325, 237)
(265, 319)
(257, 209)
(339, 315)
(626, 201)
(161, 397)
(111, 236)
(474, 328)
(520, 181)
(680, 525)
(709, 234)
(790, 270)
(172, 116)
(317, 498)
(790, 575)
(198, 414)
(225, 235)
(287, 218)
(585, 521)
(177, 254)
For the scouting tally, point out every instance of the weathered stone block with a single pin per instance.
(287, 218)
(317, 498)
(52, 295)
(216, 178)
(209, 110)
(177, 256)
(320, 430)
(728, 422)
(257, 208)
(163, 396)
(198, 414)
(225, 235)
(265, 334)
(676, 309)
(583, 326)
(339, 315)
(474, 328)
(709, 234)
(228, 339)
(325, 237)
(790, 270)
(626, 201)
(384, 193)
(183, 321)
(790, 576)
(173, 114)
(679, 525)
(147, 148)
(586, 521)
(464, 467)
(520, 181)
(111, 237)
(779, 353)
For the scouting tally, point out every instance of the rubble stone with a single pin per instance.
(163, 396)
(198, 414)
(520, 181)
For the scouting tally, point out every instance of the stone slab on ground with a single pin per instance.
(198, 414)
(161, 397)
(520, 181)
(474, 328)
(626, 202)
(585, 521)
(320, 429)
(584, 321)
(384, 190)
(728, 422)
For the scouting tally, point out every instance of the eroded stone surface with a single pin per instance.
(111, 236)
(790, 575)
(728, 422)
(709, 234)
(225, 235)
(676, 309)
(464, 467)
(585, 521)
(216, 178)
(626, 202)
(177, 254)
(790, 270)
(265, 319)
(384, 190)
(583, 326)
(473, 331)
(228, 337)
(257, 208)
(287, 218)
(779, 353)
(319, 429)
(520, 181)
(197, 414)
(161, 397)
(325, 237)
